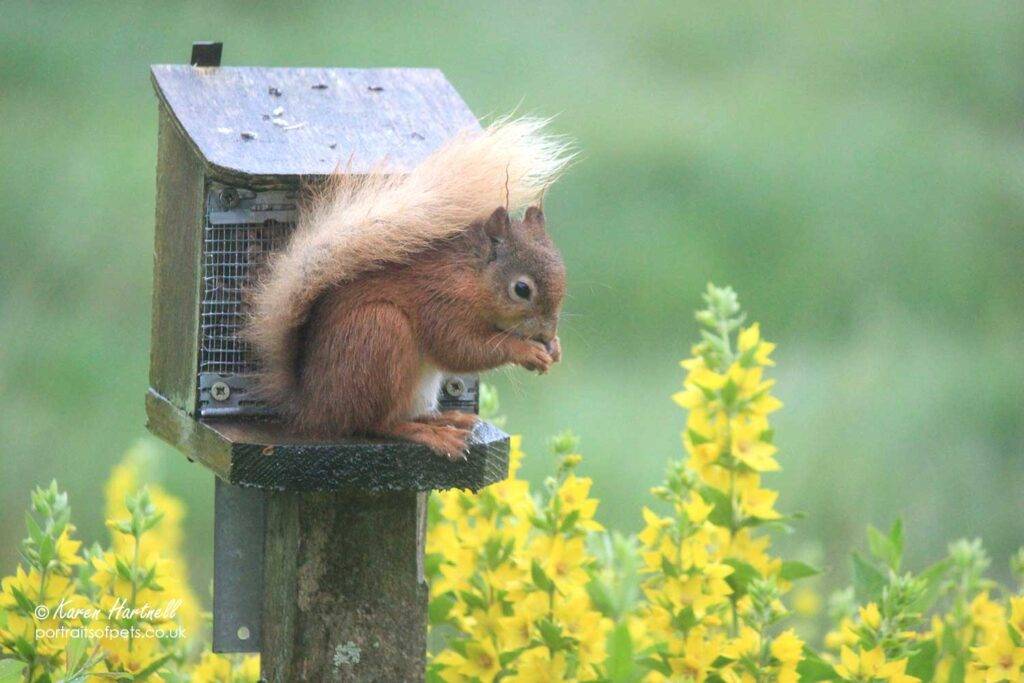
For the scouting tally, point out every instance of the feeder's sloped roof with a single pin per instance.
(304, 121)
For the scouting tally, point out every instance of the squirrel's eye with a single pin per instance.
(522, 290)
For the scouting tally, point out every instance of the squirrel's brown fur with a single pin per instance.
(391, 279)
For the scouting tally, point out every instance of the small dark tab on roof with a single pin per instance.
(206, 53)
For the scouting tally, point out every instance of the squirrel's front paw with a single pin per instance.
(534, 356)
(554, 348)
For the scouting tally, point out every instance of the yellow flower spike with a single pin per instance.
(759, 503)
(538, 665)
(749, 338)
(764, 352)
(705, 378)
(562, 560)
(896, 672)
(212, 668)
(573, 497)
(690, 398)
(1017, 613)
(870, 616)
(748, 381)
(67, 550)
(764, 405)
(693, 551)
(862, 664)
(516, 631)
(481, 661)
(697, 510)
(747, 643)
(748, 448)
(654, 527)
(1001, 657)
(787, 647)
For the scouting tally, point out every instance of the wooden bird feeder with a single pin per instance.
(318, 545)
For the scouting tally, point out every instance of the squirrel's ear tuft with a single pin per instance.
(533, 219)
(498, 225)
(534, 216)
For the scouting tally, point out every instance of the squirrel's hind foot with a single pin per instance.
(444, 439)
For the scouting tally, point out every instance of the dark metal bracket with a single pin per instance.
(239, 518)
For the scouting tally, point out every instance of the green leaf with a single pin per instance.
(23, 602)
(793, 570)
(619, 665)
(11, 671)
(440, 607)
(655, 664)
(957, 672)
(685, 619)
(896, 537)
(123, 570)
(24, 648)
(434, 674)
(47, 550)
(922, 663)
(152, 668)
(34, 532)
(1018, 641)
(813, 668)
(540, 579)
(76, 653)
(473, 601)
(696, 438)
(570, 521)
(932, 577)
(743, 574)
(868, 581)
(668, 569)
(746, 358)
(882, 548)
(432, 564)
(509, 656)
(551, 633)
(721, 515)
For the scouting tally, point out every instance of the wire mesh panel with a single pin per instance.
(242, 228)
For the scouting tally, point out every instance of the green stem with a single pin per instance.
(135, 586)
(727, 360)
(723, 333)
(44, 574)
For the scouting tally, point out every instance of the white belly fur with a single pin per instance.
(425, 399)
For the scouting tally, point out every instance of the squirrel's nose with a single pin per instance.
(547, 336)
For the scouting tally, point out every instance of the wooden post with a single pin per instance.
(344, 598)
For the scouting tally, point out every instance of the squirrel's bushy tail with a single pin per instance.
(366, 222)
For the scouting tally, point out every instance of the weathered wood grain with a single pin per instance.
(358, 118)
(264, 455)
(344, 593)
(174, 349)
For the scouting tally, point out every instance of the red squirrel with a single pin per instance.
(391, 281)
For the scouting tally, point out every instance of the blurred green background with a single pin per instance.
(853, 169)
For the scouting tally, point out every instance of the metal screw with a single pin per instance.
(243, 633)
(455, 387)
(220, 391)
(229, 197)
